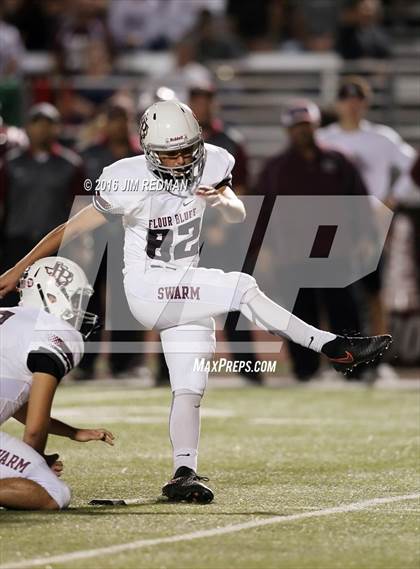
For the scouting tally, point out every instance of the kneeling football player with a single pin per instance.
(40, 343)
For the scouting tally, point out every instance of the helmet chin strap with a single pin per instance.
(90, 325)
(42, 295)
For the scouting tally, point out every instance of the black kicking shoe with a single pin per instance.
(187, 486)
(346, 352)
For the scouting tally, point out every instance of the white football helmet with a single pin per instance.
(60, 287)
(170, 126)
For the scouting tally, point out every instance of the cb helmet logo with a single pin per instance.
(62, 275)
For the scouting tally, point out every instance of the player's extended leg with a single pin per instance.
(165, 298)
(26, 480)
(24, 494)
(186, 348)
(342, 351)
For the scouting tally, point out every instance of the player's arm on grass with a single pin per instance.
(225, 200)
(86, 220)
(57, 427)
(38, 411)
(80, 435)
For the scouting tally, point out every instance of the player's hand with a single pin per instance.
(57, 468)
(9, 281)
(210, 194)
(86, 435)
(56, 465)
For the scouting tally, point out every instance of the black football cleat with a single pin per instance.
(347, 352)
(186, 486)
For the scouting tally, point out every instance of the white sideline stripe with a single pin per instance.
(133, 545)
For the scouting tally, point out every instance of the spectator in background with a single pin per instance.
(136, 25)
(306, 168)
(317, 22)
(376, 149)
(360, 33)
(116, 143)
(82, 24)
(11, 137)
(37, 21)
(377, 152)
(11, 48)
(266, 25)
(213, 38)
(78, 105)
(38, 186)
(185, 71)
(202, 101)
(157, 24)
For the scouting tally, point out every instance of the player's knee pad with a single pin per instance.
(188, 373)
(244, 283)
(185, 393)
(187, 350)
(251, 293)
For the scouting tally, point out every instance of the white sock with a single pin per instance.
(184, 428)
(268, 315)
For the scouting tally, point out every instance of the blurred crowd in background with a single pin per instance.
(65, 121)
(82, 33)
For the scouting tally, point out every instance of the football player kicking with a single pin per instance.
(40, 343)
(165, 288)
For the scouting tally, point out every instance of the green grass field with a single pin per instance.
(270, 453)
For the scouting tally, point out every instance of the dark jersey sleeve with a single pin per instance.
(225, 182)
(44, 361)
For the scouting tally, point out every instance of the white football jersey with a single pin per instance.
(160, 228)
(25, 331)
(375, 149)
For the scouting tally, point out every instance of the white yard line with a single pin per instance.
(297, 421)
(130, 414)
(141, 543)
(273, 421)
(72, 394)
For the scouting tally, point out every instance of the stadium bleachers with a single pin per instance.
(253, 89)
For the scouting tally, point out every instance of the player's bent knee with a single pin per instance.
(50, 504)
(58, 495)
(191, 375)
(62, 495)
(27, 494)
(195, 381)
(245, 284)
(57, 490)
(65, 496)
